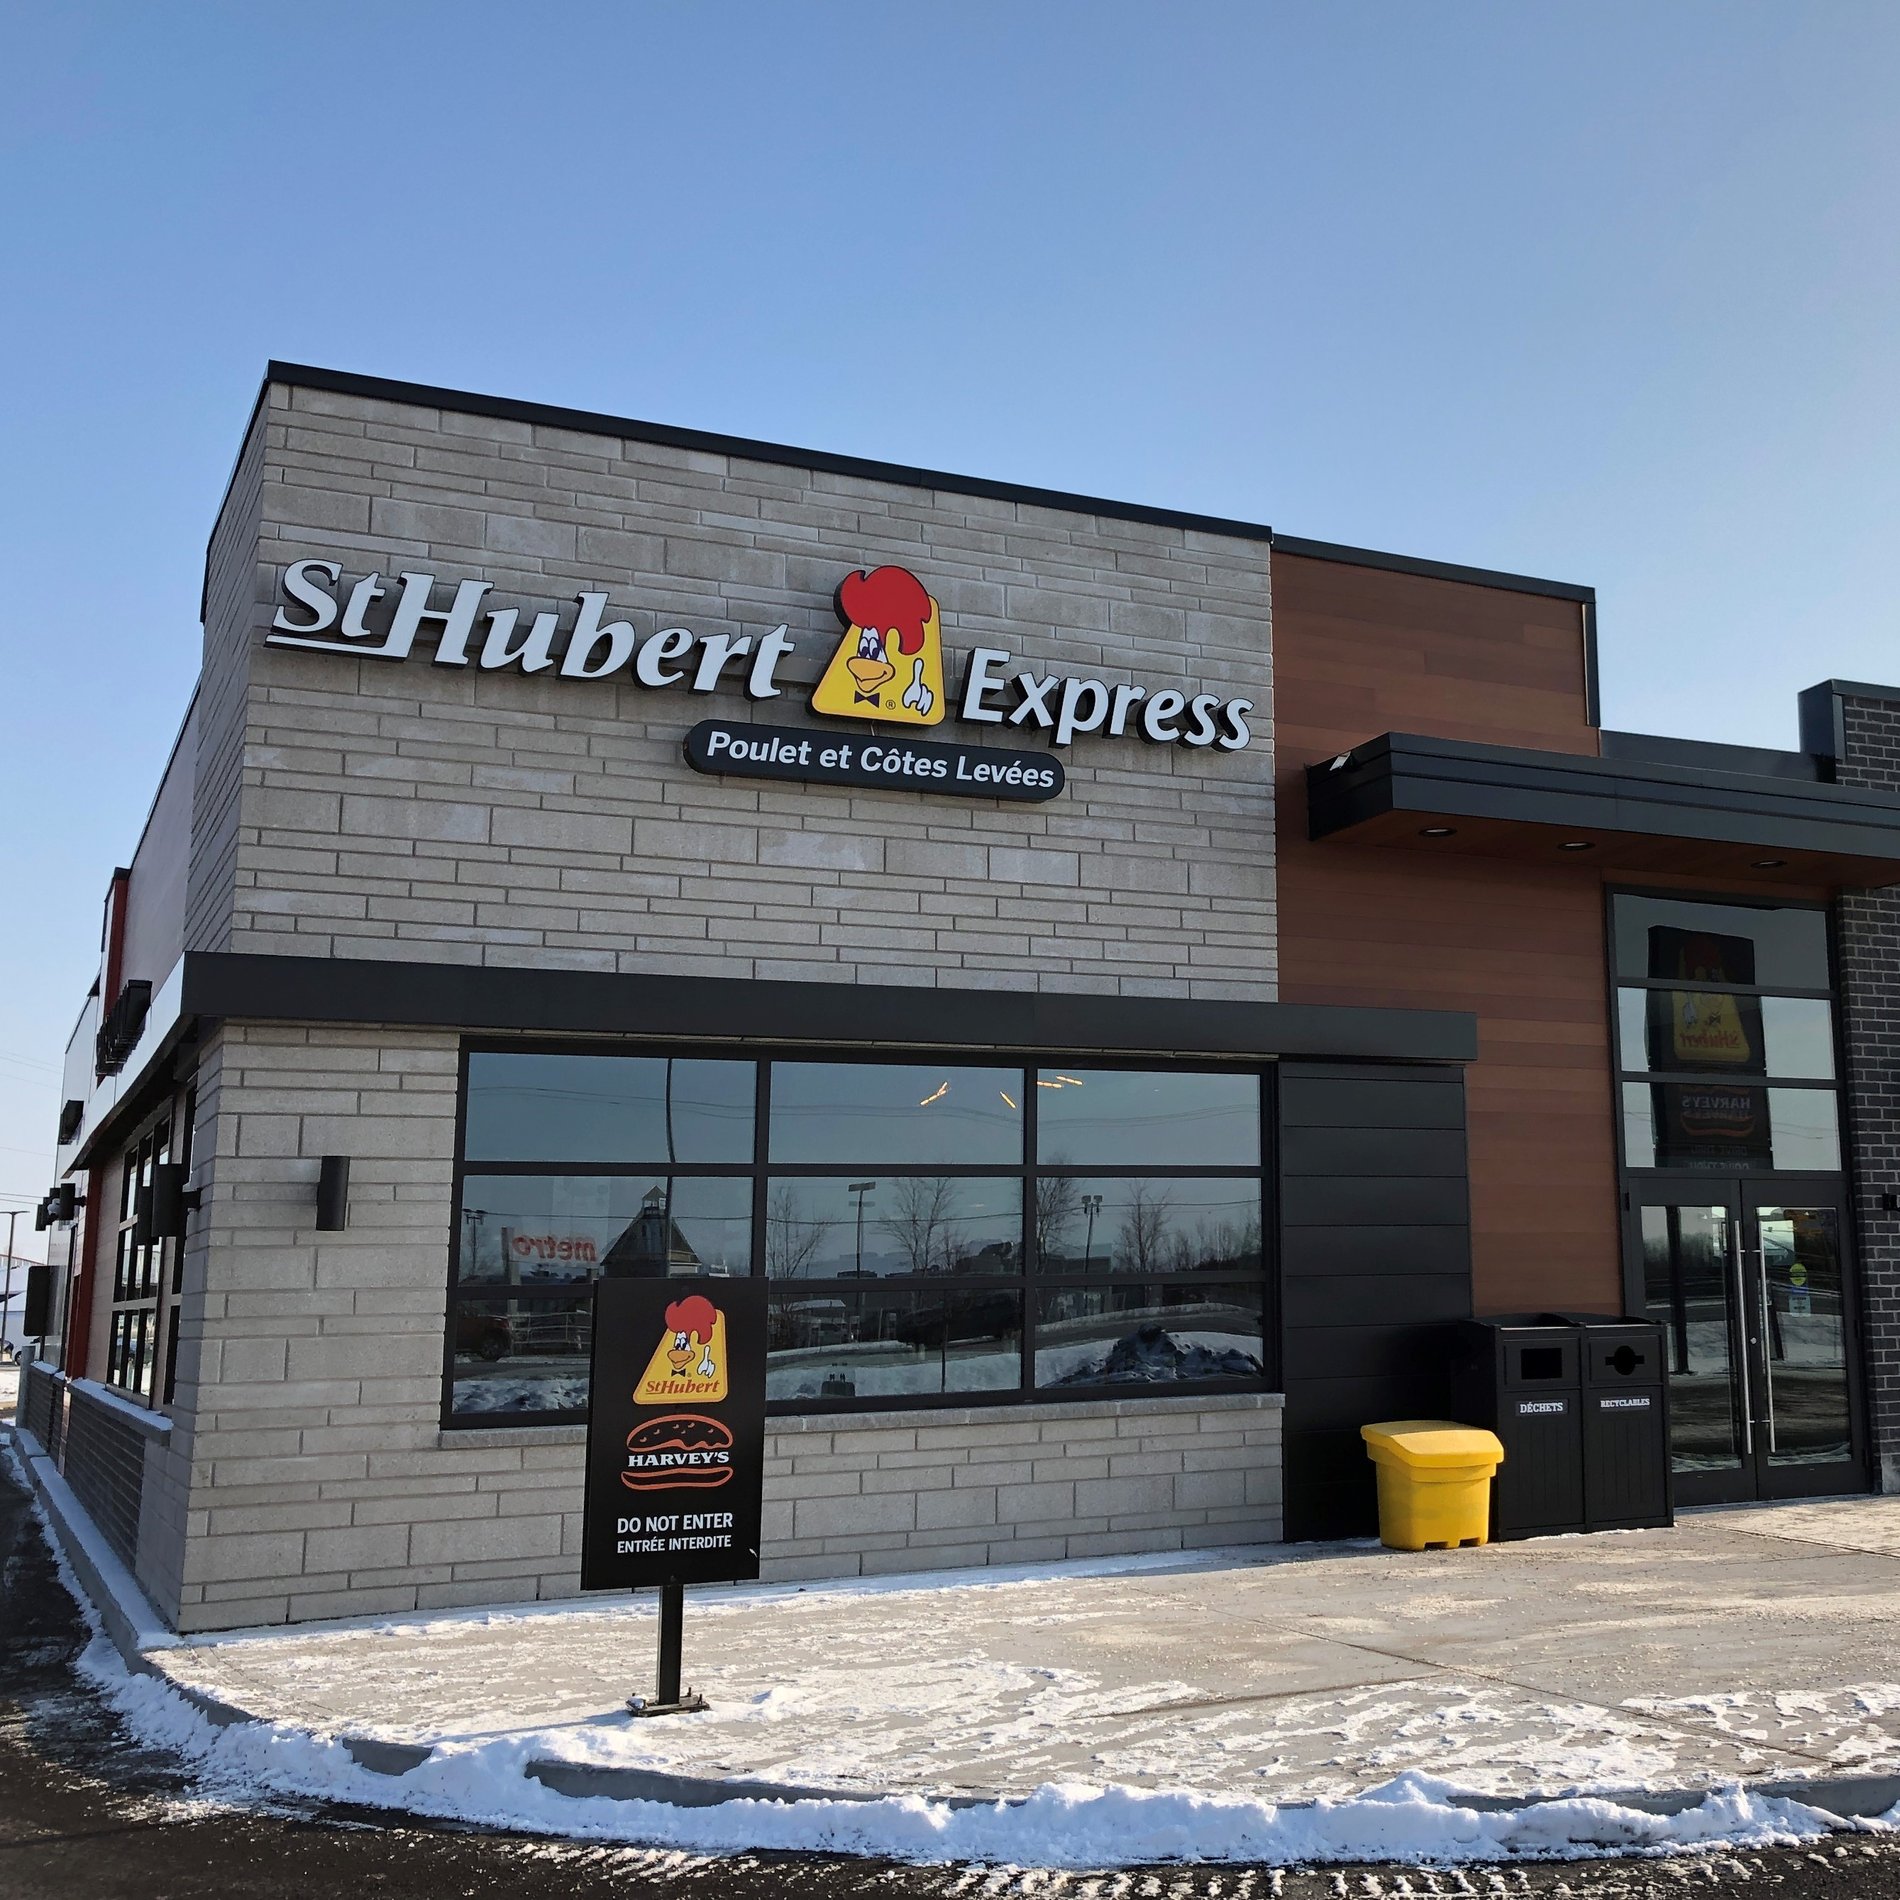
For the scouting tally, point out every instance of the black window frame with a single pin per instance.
(1836, 1085)
(762, 1171)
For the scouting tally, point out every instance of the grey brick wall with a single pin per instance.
(103, 1458)
(1868, 926)
(309, 1386)
(405, 810)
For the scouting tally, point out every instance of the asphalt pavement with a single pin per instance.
(86, 1811)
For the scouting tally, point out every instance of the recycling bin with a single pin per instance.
(1522, 1378)
(1434, 1482)
(1625, 1424)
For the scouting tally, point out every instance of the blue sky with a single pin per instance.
(1604, 292)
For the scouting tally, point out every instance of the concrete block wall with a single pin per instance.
(412, 811)
(865, 1494)
(310, 1364)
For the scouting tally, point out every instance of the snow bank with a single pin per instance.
(1410, 1820)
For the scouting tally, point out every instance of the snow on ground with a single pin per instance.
(482, 1781)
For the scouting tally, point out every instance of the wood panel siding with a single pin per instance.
(1359, 652)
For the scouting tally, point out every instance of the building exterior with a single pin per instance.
(1123, 978)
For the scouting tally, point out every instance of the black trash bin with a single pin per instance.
(1625, 1423)
(1522, 1377)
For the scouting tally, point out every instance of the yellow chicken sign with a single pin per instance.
(889, 664)
(689, 1364)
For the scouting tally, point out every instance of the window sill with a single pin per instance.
(900, 1418)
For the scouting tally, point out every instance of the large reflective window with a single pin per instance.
(912, 1246)
(1718, 1032)
(876, 1114)
(1150, 1333)
(1147, 1224)
(1713, 1127)
(1758, 947)
(1805, 1129)
(1147, 1118)
(1799, 1031)
(652, 1109)
(879, 1342)
(819, 1227)
(544, 1229)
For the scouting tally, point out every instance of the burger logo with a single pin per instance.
(889, 663)
(689, 1364)
(680, 1451)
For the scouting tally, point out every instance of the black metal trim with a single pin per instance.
(1592, 690)
(1707, 755)
(1437, 571)
(738, 1010)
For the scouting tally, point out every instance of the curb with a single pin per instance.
(135, 1628)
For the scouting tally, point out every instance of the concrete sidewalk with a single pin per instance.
(1746, 1644)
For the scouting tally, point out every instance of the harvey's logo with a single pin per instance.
(889, 664)
(681, 1451)
(689, 1364)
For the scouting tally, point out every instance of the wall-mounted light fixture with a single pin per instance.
(333, 1194)
(161, 1206)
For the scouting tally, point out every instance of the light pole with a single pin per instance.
(860, 1189)
(1090, 1202)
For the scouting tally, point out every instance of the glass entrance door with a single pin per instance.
(1753, 1290)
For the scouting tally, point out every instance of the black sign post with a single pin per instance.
(675, 1448)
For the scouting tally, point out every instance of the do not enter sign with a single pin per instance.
(675, 1433)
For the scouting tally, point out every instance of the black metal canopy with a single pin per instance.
(1643, 814)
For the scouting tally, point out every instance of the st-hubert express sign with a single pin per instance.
(888, 671)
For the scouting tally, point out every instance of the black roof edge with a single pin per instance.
(668, 435)
(1665, 749)
(1434, 570)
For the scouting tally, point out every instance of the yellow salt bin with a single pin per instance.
(1434, 1482)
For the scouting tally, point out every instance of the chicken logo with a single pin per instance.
(689, 1363)
(889, 665)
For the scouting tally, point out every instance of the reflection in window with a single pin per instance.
(909, 1239)
(876, 1114)
(540, 1229)
(1147, 1224)
(1715, 1031)
(1806, 1129)
(1766, 946)
(1718, 1128)
(520, 1355)
(650, 1109)
(1686, 1283)
(1147, 1118)
(1161, 1333)
(818, 1228)
(1800, 1036)
(874, 1342)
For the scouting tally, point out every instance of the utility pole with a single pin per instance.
(6, 1298)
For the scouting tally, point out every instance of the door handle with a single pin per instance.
(1741, 1311)
(1767, 1333)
